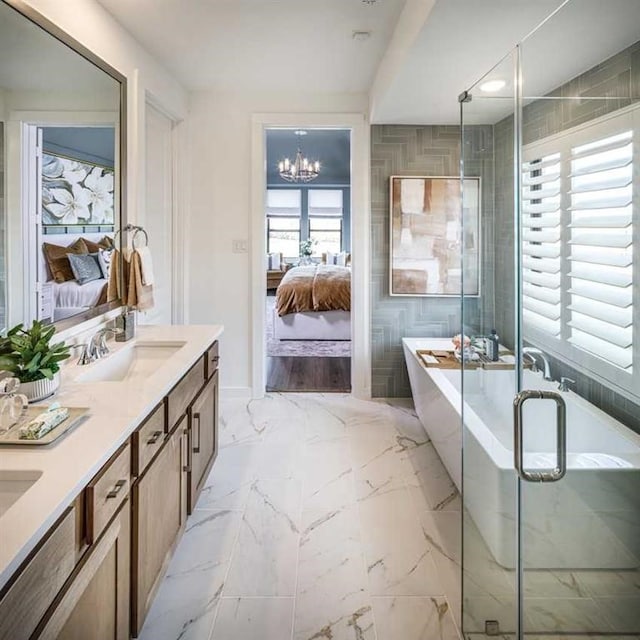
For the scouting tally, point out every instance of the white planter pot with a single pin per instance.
(40, 389)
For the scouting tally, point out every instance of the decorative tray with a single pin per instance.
(12, 437)
(446, 359)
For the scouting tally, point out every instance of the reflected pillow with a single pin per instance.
(85, 267)
(104, 260)
(57, 260)
(94, 247)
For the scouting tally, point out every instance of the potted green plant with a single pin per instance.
(29, 355)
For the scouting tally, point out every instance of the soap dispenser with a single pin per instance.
(126, 325)
(493, 344)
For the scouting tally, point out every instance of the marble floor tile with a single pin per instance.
(327, 475)
(187, 599)
(253, 619)
(622, 613)
(414, 619)
(431, 487)
(331, 571)
(566, 615)
(398, 556)
(264, 562)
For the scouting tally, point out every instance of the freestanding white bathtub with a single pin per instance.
(588, 520)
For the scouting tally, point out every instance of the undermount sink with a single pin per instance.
(14, 484)
(136, 362)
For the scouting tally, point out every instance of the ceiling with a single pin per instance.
(260, 45)
(307, 46)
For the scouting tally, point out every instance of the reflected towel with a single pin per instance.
(412, 195)
(139, 295)
(118, 278)
(146, 265)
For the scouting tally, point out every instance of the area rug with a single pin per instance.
(325, 348)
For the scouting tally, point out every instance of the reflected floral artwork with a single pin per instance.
(428, 240)
(75, 192)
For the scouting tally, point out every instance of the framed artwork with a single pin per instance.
(75, 192)
(428, 239)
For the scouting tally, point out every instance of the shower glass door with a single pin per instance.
(551, 451)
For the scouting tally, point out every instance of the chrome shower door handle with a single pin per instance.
(558, 472)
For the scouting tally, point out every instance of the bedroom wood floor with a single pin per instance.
(296, 373)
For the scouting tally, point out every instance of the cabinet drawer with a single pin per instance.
(182, 395)
(107, 491)
(148, 439)
(213, 359)
(38, 583)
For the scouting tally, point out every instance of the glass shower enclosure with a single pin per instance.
(551, 299)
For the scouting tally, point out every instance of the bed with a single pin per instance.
(70, 298)
(314, 303)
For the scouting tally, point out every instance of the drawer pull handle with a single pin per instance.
(187, 468)
(196, 419)
(154, 437)
(215, 359)
(116, 490)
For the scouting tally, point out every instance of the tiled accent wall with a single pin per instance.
(418, 151)
(617, 79)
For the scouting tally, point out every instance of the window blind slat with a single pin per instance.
(548, 280)
(618, 296)
(545, 309)
(621, 357)
(602, 255)
(548, 265)
(604, 218)
(552, 296)
(550, 235)
(617, 276)
(610, 238)
(542, 178)
(551, 327)
(607, 312)
(543, 221)
(619, 336)
(549, 206)
(541, 250)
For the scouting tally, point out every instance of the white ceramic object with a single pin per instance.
(40, 389)
(587, 520)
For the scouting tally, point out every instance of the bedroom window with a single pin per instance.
(580, 271)
(284, 209)
(325, 219)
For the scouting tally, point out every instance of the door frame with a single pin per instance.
(360, 240)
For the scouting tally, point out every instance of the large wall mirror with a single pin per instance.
(61, 167)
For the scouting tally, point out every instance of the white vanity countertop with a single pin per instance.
(67, 465)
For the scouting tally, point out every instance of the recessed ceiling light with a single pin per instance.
(369, 1)
(492, 86)
(361, 36)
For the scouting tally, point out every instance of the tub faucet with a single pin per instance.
(532, 352)
(564, 383)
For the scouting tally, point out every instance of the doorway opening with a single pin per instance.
(307, 224)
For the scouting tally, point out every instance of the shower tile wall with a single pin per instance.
(617, 76)
(418, 151)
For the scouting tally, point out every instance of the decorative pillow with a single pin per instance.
(85, 267)
(330, 258)
(104, 260)
(341, 259)
(94, 247)
(56, 257)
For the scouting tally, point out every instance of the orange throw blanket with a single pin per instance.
(314, 288)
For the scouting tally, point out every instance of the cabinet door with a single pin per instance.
(159, 514)
(96, 603)
(203, 417)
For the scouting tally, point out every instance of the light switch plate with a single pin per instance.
(239, 246)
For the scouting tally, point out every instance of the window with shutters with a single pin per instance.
(580, 277)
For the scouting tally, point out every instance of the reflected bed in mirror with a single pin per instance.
(61, 138)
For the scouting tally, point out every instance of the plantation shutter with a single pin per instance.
(541, 244)
(601, 251)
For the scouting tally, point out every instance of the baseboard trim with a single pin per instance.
(236, 392)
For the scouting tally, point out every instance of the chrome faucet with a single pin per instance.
(564, 383)
(96, 347)
(532, 352)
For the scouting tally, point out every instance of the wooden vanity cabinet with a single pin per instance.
(159, 500)
(95, 604)
(203, 438)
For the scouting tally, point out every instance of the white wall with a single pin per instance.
(219, 148)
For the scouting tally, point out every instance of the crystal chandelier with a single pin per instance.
(301, 169)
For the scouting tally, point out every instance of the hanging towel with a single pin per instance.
(118, 285)
(146, 265)
(140, 296)
(412, 195)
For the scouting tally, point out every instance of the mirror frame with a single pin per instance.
(62, 36)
